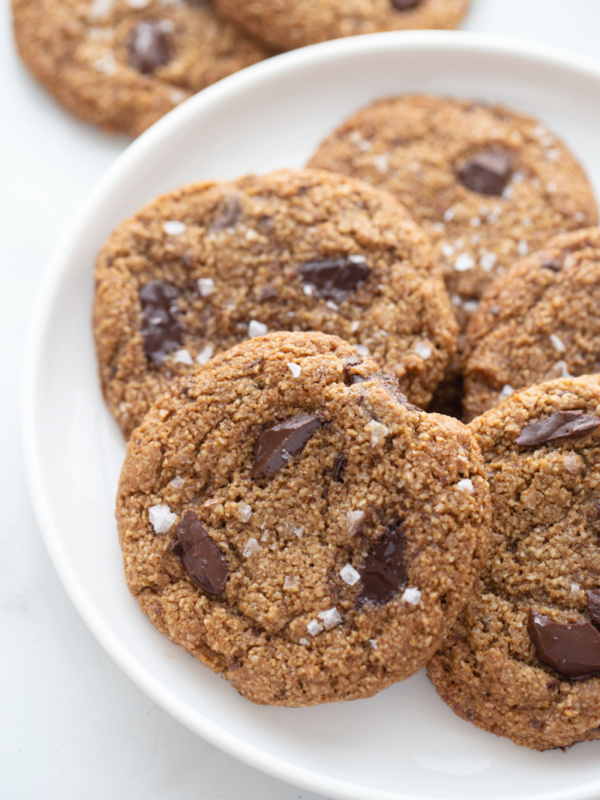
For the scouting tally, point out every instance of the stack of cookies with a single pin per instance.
(291, 510)
(122, 64)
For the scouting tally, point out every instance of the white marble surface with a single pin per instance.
(73, 726)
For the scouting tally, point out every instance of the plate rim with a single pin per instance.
(463, 42)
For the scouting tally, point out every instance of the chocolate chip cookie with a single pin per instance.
(523, 659)
(204, 267)
(122, 64)
(489, 184)
(287, 25)
(536, 322)
(292, 522)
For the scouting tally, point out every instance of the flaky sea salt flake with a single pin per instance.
(423, 350)
(252, 548)
(466, 485)
(177, 482)
(349, 575)
(464, 262)
(557, 343)
(412, 595)
(331, 617)
(183, 357)
(206, 286)
(174, 227)
(314, 627)
(161, 517)
(295, 369)
(354, 520)
(205, 354)
(256, 328)
(244, 512)
(378, 432)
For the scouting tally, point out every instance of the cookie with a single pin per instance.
(209, 265)
(291, 521)
(536, 322)
(122, 64)
(488, 184)
(289, 25)
(523, 659)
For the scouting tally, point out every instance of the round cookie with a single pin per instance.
(290, 25)
(523, 659)
(536, 322)
(122, 64)
(204, 267)
(291, 521)
(488, 184)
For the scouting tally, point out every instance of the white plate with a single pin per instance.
(405, 743)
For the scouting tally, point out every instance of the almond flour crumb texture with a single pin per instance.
(536, 322)
(122, 64)
(269, 533)
(523, 659)
(288, 25)
(209, 265)
(488, 184)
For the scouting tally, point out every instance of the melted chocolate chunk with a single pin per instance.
(339, 465)
(161, 330)
(593, 599)
(559, 425)
(149, 46)
(553, 264)
(384, 571)
(405, 5)
(334, 279)
(487, 172)
(573, 649)
(231, 212)
(202, 559)
(279, 443)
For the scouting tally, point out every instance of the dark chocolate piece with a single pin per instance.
(265, 293)
(149, 46)
(593, 598)
(552, 263)
(334, 279)
(339, 465)
(384, 570)
(229, 216)
(559, 425)
(350, 378)
(405, 5)
(202, 559)
(161, 329)
(487, 172)
(279, 443)
(572, 649)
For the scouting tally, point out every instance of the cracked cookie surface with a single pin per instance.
(122, 64)
(204, 267)
(291, 521)
(289, 25)
(523, 659)
(537, 322)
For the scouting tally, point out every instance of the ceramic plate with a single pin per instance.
(405, 743)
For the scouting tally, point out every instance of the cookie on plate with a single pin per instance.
(291, 521)
(204, 267)
(523, 659)
(489, 184)
(536, 322)
(288, 25)
(122, 64)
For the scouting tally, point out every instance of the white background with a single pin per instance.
(72, 725)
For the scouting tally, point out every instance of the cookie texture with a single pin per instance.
(291, 521)
(290, 25)
(206, 266)
(536, 322)
(489, 184)
(523, 659)
(122, 64)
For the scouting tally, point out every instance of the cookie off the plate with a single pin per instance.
(289, 519)
(208, 265)
(523, 659)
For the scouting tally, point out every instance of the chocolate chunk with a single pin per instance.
(149, 46)
(572, 649)
(202, 559)
(231, 212)
(593, 599)
(339, 465)
(559, 425)
(350, 378)
(552, 263)
(487, 172)
(334, 279)
(265, 293)
(277, 444)
(161, 330)
(405, 5)
(384, 571)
